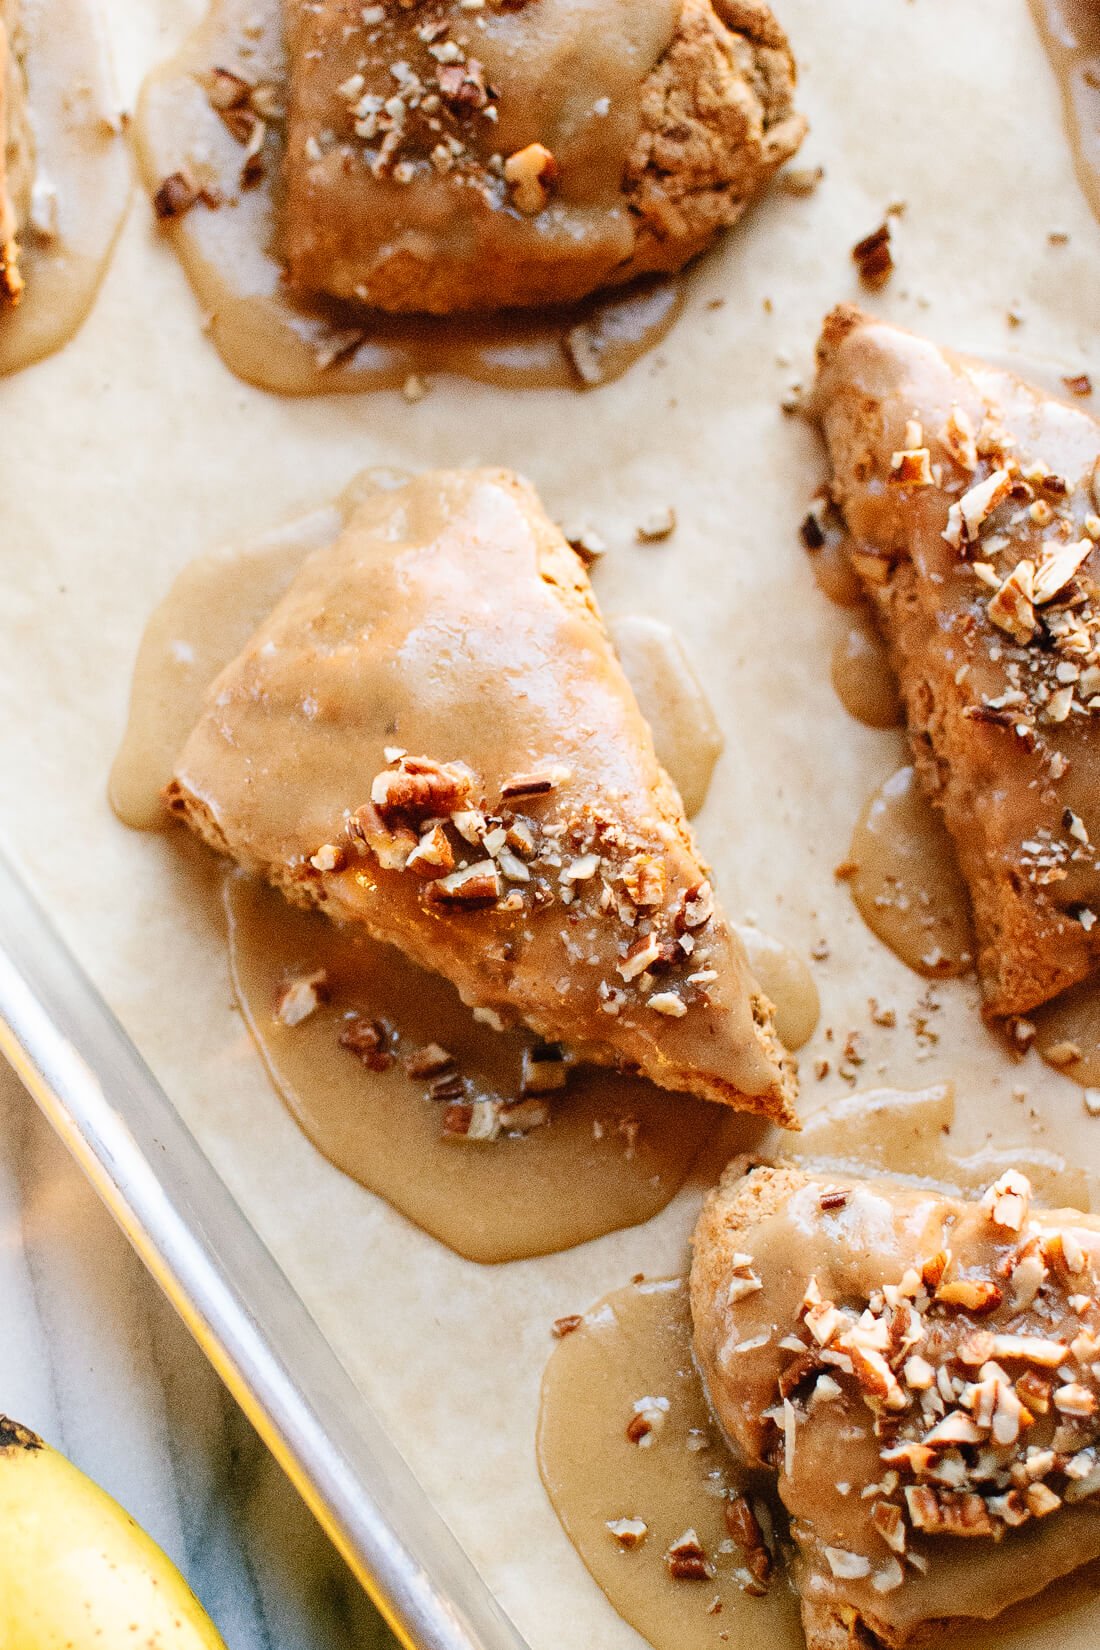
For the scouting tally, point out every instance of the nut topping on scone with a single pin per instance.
(947, 1350)
(442, 157)
(431, 735)
(970, 500)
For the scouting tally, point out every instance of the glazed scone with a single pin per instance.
(921, 1373)
(972, 500)
(442, 158)
(16, 151)
(431, 735)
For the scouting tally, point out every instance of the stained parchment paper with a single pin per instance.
(134, 449)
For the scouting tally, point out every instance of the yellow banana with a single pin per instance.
(76, 1571)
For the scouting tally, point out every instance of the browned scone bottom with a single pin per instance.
(373, 160)
(64, 173)
(971, 500)
(431, 736)
(920, 1371)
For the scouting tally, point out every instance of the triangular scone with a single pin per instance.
(16, 152)
(973, 504)
(921, 1372)
(431, 735)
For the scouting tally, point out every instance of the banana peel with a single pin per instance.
(76, 1571)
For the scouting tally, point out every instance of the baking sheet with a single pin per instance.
(134, 449)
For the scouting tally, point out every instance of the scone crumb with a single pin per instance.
(657, 525)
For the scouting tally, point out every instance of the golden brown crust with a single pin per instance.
(718, 120)
(1010, 768)
(715, 119)
(829, 1629)
(15, 153)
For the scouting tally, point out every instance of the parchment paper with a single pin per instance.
(134, 449)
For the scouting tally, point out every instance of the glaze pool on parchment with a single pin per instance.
(614, 1152)
(636, 1343)
(297, 348)
(862, 677)
(622, 1146)
(83, 179)
(633, 1344)
(905, 881)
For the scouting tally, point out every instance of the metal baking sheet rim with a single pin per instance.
(104, 1102)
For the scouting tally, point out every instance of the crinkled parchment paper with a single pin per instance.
(134, 449)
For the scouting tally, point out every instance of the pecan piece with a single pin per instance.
(368, 1040)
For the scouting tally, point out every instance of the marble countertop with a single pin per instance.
(94, 1359)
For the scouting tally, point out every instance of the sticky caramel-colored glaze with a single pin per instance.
(908, 1133)
(636, 1343)
(553, 67)
(80, 153)
(1009, 777)
(394, 635)
(1070, 31)
(832, 571)
(862, 676)
(297, 346)
(786, 981)
(614, 1152)
(906, 883)
(220, 599)
(1068, 1033)
(207, 617)
(671, 698)
(882, 1229)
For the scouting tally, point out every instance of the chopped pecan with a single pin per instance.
(429, 1061)
(744, 1526)
(873, 257)
(301, 997)
(462, 87)
(798, 1370)
(644, 879)
(529, 784)
(368, 1039)
(687, 1560)
(628, 1532)
(948, 1512)
(177, 194)
(890, 1524)
(531, 174)
(433, 855)
(465, 890)
(420, 788)
(544, 1069)
(933, 1269)
(696, 907)
(977, 1295)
